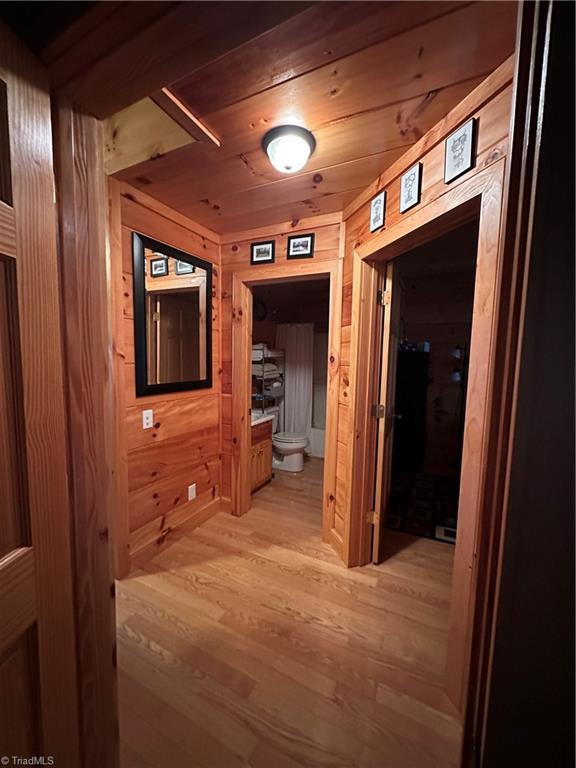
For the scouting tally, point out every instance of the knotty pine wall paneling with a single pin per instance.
(183, 447)
(490, 103)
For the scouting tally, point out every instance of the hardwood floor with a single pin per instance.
(246, 643)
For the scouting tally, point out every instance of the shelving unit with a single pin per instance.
(268, 386)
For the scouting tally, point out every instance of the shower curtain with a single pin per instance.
(297, 340)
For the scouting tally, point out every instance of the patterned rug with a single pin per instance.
(424, 505)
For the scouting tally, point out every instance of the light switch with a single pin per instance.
(191, 492)
(147, 419)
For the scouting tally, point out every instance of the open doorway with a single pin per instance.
(289, 359)
(434, 288)
(428, 298)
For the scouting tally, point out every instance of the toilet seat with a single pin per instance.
(289, 437)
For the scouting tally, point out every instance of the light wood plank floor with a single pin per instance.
(246, 643)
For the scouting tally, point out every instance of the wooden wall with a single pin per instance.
(202, 421)
(490, 103)
(235, 257)
(157, 465)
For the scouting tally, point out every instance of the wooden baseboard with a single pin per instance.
(226, 505)
(148, 540)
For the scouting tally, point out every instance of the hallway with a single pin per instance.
(246, 643)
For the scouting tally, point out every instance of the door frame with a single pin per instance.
(481, 196)
(243, 281)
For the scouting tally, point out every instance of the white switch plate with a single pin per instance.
(191, 492)
(147, 419)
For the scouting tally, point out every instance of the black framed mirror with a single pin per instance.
(172, 318)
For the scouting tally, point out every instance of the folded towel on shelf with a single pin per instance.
(262, 351)
(258, 351)
(259, 369)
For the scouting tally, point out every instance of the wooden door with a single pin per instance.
(390, 297)
(38, 665)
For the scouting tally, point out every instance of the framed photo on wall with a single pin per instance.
(262, 253)
(184, 268)
(460, 151)
(159, 267)
(410, 187)
(377, 211)
(300, 246)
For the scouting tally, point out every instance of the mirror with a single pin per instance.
(172, 318)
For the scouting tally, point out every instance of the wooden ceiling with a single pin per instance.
(368, 78)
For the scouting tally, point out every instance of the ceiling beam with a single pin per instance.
(105, 79)
(141, 132)
(180, 113)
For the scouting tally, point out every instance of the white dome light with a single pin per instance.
(288, 147)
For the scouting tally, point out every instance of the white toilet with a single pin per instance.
(289, 451)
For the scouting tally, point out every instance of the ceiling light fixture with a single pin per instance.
(288, 147)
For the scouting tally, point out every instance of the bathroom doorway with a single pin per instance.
(320, 283)
(289, 384)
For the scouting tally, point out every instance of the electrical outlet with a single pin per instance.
(191, 492)
(147, 419)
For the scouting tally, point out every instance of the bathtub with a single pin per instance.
(316, 447)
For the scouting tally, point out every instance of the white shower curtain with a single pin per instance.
(297, 340)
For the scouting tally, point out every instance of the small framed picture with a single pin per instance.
(377, 211)
(159, 267)
(262, 253)
(410, 187)
(300, 246)
(183, 268)
(460, 151)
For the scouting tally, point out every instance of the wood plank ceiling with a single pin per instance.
(368, 78)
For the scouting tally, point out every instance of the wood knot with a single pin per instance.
(103, 535)
(332, 359)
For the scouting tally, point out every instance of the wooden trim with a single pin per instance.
(7, 230)
(484, 192)
(386, 398)
(533, 227)
(285, 227)
(121, 528)
(86, 298)
(179, 112)
(17, 595)
(357, 531)
(332, 392)
(487, 90)
(241, 365)
(47, 460)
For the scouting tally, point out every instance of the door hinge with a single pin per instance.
(378, 411)
(383, 298)
(371, 517)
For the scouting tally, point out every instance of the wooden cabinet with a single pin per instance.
(261, 455)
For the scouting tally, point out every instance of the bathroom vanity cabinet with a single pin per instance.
(261, 454)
